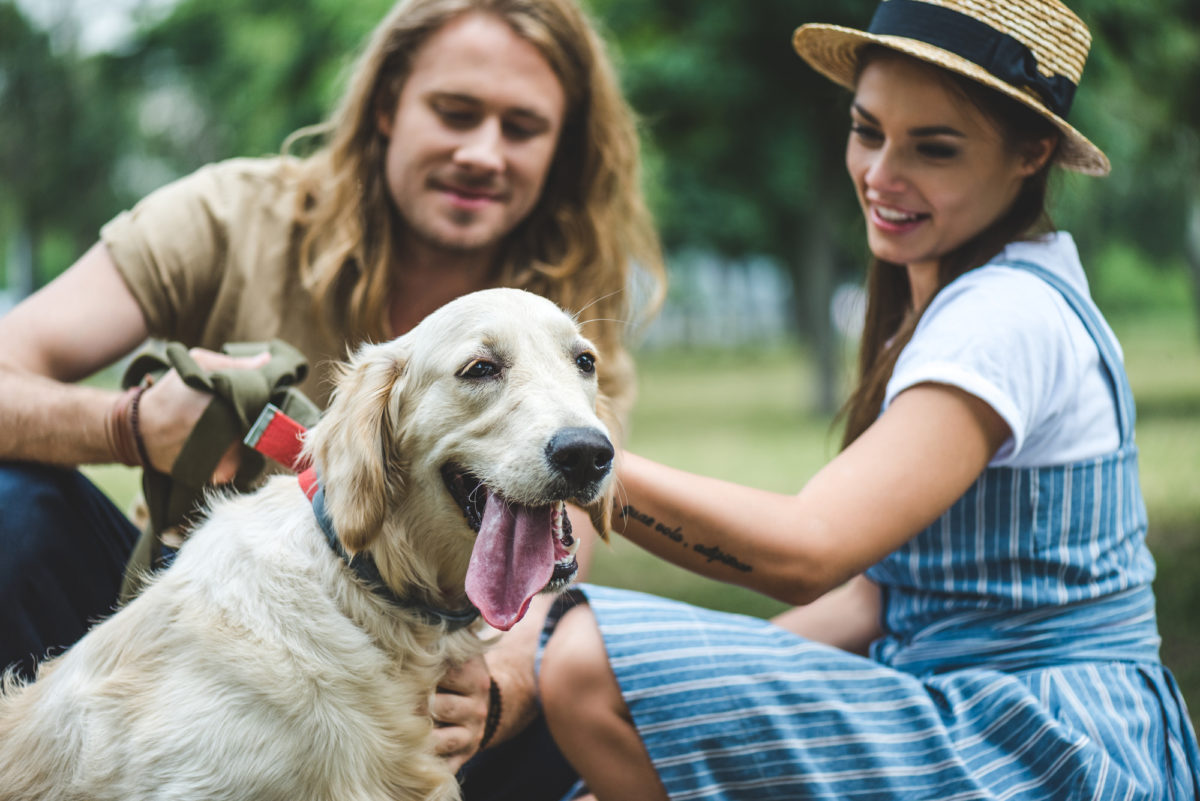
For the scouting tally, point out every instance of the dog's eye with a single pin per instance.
(586, 362)
(479, 369)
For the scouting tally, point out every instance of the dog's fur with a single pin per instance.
(258, 666)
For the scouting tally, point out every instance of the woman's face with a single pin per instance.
(930, 170)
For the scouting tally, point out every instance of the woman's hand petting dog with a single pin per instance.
(460, 711)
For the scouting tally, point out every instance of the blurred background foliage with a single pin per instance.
(743, 141)
(743, 166)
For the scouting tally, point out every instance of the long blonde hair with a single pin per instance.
(589, 236)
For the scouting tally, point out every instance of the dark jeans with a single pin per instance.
(63, 550)
(529, 767)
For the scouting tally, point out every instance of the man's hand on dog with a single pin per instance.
(460, 710)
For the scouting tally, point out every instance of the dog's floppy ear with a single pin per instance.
(354, 445)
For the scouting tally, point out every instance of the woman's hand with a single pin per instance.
(460, 711)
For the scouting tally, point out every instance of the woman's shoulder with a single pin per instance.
(1051, 258)
(1024, 282)
(1006, 334)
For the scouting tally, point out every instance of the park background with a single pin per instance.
(101, 101)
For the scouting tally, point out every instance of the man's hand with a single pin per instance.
(170, 409)
(460, 711)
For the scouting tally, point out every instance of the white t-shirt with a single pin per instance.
(1010, 339)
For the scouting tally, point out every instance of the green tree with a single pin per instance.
(235, 77)
(60, 136)
(1141, 102)
(748, 141)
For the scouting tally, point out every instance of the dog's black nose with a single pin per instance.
(582, 456)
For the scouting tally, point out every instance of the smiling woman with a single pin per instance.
(974, 614)
(917, 156)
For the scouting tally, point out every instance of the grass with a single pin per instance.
(1163, 360)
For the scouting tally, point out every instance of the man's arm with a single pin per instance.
(85, 320)
(462, 702)
(79, 323)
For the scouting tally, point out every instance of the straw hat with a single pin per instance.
(1031, 50)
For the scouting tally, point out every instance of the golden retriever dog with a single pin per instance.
(269, 662)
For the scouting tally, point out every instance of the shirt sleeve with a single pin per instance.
(999, 334)
(170, 249)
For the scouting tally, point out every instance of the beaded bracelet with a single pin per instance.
(493, 715)
(122, 430)
(134, 424)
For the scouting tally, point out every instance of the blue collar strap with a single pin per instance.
(367, 572)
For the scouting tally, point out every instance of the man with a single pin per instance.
(479, 143)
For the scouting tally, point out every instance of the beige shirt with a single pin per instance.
(213, 258)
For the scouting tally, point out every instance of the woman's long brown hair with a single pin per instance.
(890, 322)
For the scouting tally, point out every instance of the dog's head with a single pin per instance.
(448, 453)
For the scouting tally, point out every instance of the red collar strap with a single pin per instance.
(278, 436)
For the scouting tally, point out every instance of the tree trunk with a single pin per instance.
(813, 278)
(22, 259)
(1192, 249)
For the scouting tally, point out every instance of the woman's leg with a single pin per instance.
(588, 717)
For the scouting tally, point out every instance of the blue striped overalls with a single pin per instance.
(1020, 660)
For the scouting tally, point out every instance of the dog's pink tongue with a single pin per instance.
(513, 561)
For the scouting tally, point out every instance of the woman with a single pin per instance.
(976, 618)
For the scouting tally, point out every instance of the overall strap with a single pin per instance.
(1089, 315)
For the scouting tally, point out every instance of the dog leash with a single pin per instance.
(237, 395)
(280, 437)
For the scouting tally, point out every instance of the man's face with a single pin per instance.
(473, 135)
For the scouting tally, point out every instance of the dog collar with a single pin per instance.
(276, 435)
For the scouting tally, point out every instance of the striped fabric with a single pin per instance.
(1021, 660)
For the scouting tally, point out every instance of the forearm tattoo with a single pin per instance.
(675, 534)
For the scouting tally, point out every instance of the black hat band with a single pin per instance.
(995, 51)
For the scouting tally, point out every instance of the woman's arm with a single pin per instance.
(921, 455)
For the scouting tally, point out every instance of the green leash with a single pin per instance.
(238, 397)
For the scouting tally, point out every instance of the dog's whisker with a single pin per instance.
(617, 320)
(593, 302)
(472, 496)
